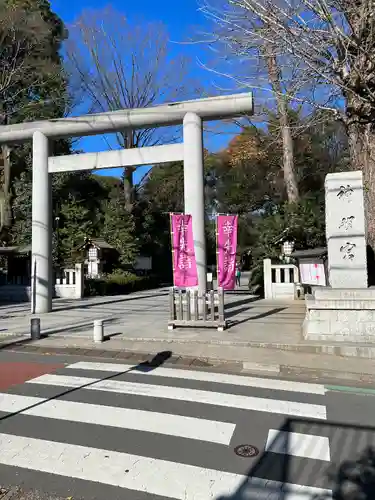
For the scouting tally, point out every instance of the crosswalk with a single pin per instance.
(156, 433)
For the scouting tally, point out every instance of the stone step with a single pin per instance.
(327, 293)
(341, 304)
(342, 315)
(349, 349)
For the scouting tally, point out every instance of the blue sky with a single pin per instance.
(180, 23)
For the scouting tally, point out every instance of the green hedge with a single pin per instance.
(119, 284)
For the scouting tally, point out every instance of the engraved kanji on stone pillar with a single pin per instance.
(346, 230)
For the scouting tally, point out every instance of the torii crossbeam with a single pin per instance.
(189, 113)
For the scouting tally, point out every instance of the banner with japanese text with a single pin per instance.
(183, 255)
(226, 251)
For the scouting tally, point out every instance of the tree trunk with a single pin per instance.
(128, 143)
(290, 180)
(128, 188)
(5, 208)
(362, 157)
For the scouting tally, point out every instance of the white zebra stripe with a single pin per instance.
(220, 378)
(298, 445)
(137, 473)
(123, 418)
(182, 394)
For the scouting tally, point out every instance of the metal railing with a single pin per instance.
(189, 308)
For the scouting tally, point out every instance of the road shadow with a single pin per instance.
(251, 318)
(108, 302)
(82, 305)
(340, 466)
(241, 302)
(235, 312)
(159, 359)
(145, 366)
(242, 291)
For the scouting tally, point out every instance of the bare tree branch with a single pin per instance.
(257, 61)
(331, 44)
(118, 65)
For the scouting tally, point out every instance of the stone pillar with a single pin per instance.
(267, 279)
(41, 251)
(346, 230)
(194, 190)
(79, 281)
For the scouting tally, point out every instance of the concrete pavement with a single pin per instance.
(144, 316)
(95, 429)
(263, 336)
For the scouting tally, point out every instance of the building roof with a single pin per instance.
(15, 250)
(97, 242)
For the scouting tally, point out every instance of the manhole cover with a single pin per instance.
(246, 450)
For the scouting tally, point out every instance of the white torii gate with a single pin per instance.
(190, 113)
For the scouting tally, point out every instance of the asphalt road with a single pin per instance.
(95, 429)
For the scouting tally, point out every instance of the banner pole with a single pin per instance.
(172, 252)
(217, 253)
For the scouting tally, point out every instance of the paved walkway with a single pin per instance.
(144, 316)
(263, 336)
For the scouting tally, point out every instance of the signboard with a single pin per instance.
(312, 273)
(183, 255)
(226, 251)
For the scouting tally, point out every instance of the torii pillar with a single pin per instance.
(189, 113)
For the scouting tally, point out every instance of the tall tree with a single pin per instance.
(32, 82)
(282, 100)
(119, 230)
(255, 62)
(332, 43)
(249, 172)
(121, 65)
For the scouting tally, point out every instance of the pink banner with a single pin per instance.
(184, 263)
(226, 251)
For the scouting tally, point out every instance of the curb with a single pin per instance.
(129, 356)
(345, 351)
(328, 375)
(244, 368)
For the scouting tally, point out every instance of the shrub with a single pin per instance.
(119, 283)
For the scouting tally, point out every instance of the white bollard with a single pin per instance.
(98, 331)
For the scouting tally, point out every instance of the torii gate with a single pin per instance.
(190, 113)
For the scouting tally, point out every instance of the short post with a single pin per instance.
(221, 310)
(196, 305)
(188, 305)
(35, 328)
(171, 305)
(98, 331)
(212, 305)
(180, 306)
(172, 309)
(267, 277)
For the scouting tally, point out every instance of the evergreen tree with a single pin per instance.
(32, 86)
(119, 229)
